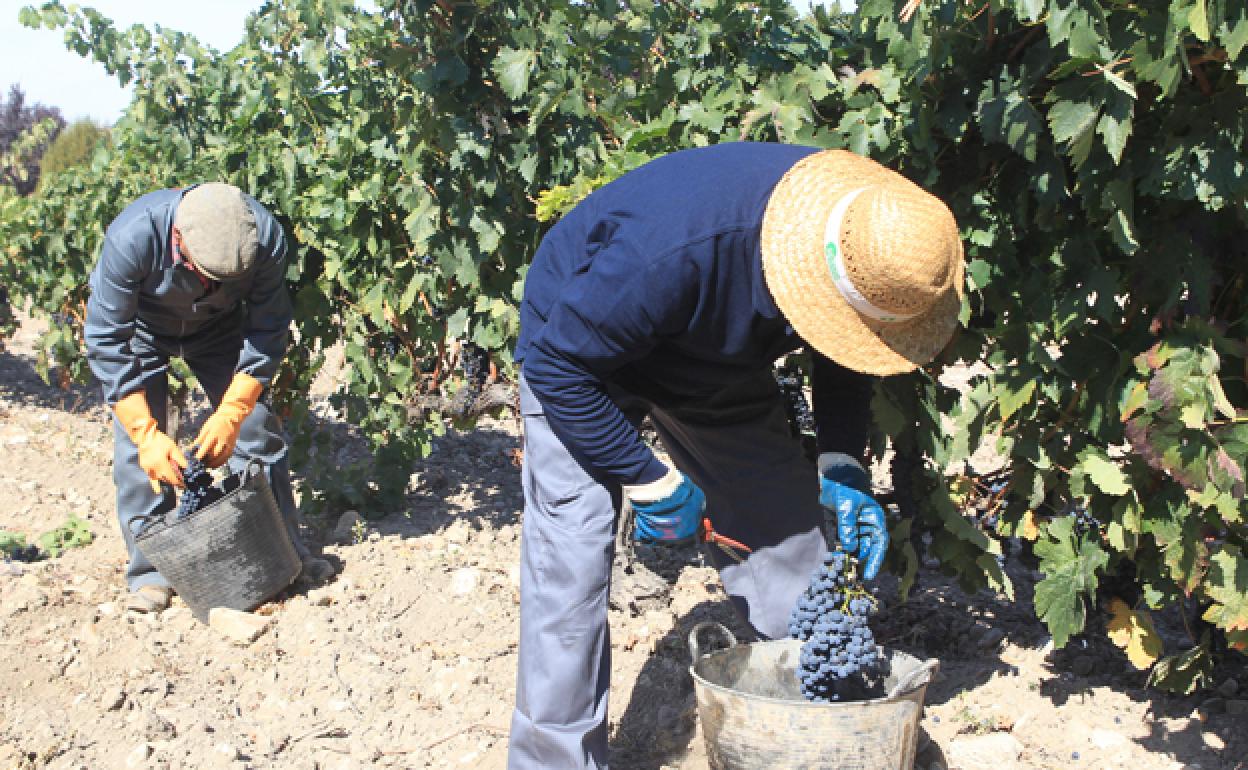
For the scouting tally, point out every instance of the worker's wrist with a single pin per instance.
(665, 486)
(844, 469)
(135, 416)
(244, 391)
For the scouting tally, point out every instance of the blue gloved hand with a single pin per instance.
(860, 523)
(668, 510)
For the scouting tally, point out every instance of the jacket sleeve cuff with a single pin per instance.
(663, 487)
(844, 469)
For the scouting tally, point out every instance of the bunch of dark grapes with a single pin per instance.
(995, 490)
(392, 346)
(1084, 521)
(474, 360)
(839, 659)
(26, 553)
(198, 490)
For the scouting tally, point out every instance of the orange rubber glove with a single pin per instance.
(220, 432)
(159, 456)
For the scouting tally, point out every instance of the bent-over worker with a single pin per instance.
(197, 273)
(670, 293)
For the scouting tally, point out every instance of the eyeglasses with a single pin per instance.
(180, 257)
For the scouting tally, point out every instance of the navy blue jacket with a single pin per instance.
(137, 288)
(655, 282)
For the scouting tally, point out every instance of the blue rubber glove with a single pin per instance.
(668, 510)
(860, 523)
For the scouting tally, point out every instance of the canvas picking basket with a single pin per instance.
(235, 552)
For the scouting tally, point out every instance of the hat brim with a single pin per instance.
(798, 278)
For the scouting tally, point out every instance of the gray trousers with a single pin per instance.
(760, 490)
(212, 357)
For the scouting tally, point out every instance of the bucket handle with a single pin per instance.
(915, 678)
(695, 647)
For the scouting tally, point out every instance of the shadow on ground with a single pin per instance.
(20, 383)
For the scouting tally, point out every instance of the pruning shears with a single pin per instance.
(707, 534)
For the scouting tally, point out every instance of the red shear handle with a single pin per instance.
(727, 544)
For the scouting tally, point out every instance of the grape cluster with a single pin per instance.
(474, 360)
(839, 659)
(199, 488)
(995, 490)
(1084, 521)
(392, 346)
(26, 553)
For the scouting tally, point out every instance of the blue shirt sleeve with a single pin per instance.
(111, 311)
(612, 314)
(269, 310)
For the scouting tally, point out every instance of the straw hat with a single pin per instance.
(218, 230)
(865, 264)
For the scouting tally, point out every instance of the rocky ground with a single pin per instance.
(407, 658)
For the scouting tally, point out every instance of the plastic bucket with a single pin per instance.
(235, 552)
(754, 716)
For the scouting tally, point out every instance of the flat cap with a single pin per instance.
(218, 230)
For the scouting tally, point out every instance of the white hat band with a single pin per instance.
(835, 256)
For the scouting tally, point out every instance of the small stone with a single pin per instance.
(321, 597)
(138, 756)
(239, 627)
(344, 530)
(159, 729)
(84, 586)
(1228, 688)
(113, 699)
(89, 636)
(464, 581)
(107, 609)
(1213, 741)
(458, 533)
(1083, 665)
(225, 750)
(1109, 740)
(1237, 707)
(991, 638)
(996, 750)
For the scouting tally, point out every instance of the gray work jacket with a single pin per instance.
(137, 288)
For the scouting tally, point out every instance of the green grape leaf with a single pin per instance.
(514, 68)
(1227, 584)
(1185, 672)
(1104, 473)
(1070, 565)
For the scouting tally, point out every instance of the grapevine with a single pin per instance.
(1106, 302)
(839, 658)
